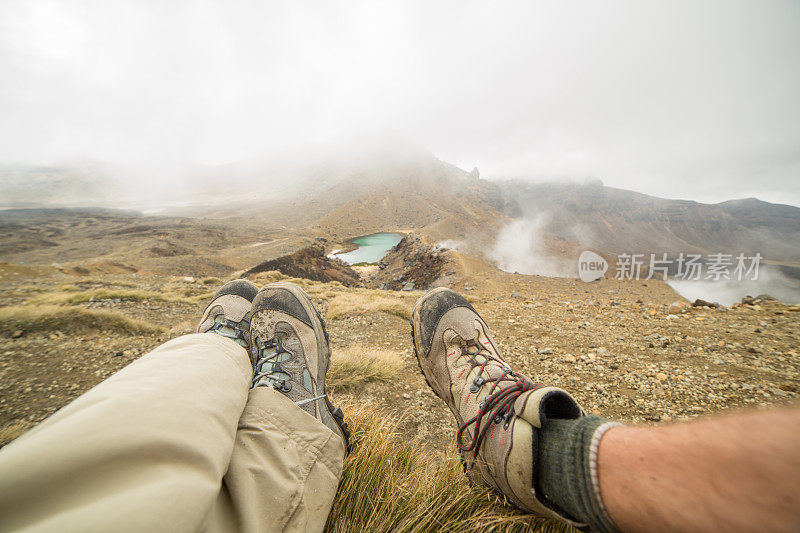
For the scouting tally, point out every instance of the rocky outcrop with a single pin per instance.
(310, 263)
(412, 264)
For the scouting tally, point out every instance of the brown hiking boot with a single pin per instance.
(290, 352)
(228, 314)
(497, 410)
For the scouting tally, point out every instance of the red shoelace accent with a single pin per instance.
(497, 407)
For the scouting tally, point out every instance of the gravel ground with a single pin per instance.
(617, 346)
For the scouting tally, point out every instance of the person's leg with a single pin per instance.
(284, 470)
(143, 451)
(287, 460)
(146, 449)
(734, 473)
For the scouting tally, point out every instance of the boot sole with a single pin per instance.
(326, 408)
(414, 319)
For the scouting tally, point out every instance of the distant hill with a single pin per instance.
(22, 186)
(344, 199)
(616, 220)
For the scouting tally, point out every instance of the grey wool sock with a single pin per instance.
(566, 472)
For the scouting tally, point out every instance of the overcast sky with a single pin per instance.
(683, 99)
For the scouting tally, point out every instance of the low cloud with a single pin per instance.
(770, 281)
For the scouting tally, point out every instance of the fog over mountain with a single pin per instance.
(681, 99)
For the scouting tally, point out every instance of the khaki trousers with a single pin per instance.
(174, 442)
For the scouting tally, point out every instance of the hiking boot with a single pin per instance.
(290, 352)
(228, 314)
(497, 410)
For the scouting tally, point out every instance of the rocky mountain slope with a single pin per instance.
(616, 221)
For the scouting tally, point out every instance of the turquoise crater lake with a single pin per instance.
(371, 248)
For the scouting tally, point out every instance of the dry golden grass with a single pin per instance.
(211, 281)
(71, 297)
(29, 318)
(357, 365)
(359, 302)
(13, 431)
(389, 484)
(262, 278)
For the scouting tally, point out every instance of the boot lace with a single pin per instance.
(236, 331)
(498, 406)
(269, 372)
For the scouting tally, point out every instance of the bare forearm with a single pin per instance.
(738, 472)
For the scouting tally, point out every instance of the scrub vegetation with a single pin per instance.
(357, 365)
(22, 319)
(391, 484)
(368, 301)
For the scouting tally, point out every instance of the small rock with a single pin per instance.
(189, 279)
(17, 334)
(408, 286)
(119, 354)
(406, 396)
(676, 307)
(516, 295)
(569, 359)
(661, 377)
(704, 303)
(545, 351)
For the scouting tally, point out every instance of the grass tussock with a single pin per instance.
(389, 484)
(211, 281)
(137, 295)
(358, 365)
(362, 302)
(31, 318)
(13, 431)
(270, 276)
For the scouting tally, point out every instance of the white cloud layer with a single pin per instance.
(680, 99)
